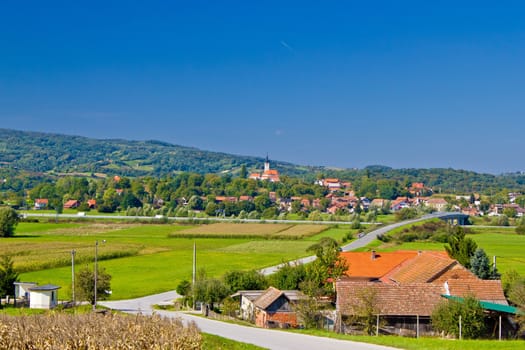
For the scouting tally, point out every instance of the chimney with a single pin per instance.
(373, 254)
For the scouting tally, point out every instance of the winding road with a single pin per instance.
(266, 338)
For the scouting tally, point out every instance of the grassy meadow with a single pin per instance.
(502, 242)
(148, 258)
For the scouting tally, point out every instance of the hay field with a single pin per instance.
(251, 230)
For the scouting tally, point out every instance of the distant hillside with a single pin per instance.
(35, 152)
(46, 152)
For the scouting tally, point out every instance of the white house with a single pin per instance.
(43, 297)
(22, 289)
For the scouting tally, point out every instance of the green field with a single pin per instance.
(142, 258)
(504, 243)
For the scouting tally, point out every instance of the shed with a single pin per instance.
(22, 289)
(43, 297)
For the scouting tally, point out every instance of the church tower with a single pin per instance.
(267, 164)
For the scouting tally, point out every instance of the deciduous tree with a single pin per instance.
(85, 284)
(8, 221)
(460, 247)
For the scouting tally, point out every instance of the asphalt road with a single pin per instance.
(266, 338)
(270, 339)
(358, 243)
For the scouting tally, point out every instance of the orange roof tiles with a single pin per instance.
(361, 264)
(486, 290)
(423, 268)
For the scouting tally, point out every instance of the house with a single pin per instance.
(404, 288)
(71, 204)
(92, 203)
(438, 204)
(41, 203)
(402, 307)
(332, 184)
(43, 297)
(269, 308)
(379, 203)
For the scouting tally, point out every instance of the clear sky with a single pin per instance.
(337, 83)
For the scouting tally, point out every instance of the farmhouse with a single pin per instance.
(404, 287)
(41, 203)
(269, 308)
(71, 204)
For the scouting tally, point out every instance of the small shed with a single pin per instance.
(22, 289)
(43, 297)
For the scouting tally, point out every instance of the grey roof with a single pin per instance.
(252, 295)
(45, 287)
(25, 283)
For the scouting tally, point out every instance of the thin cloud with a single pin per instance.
(288, 47)
(279, 132)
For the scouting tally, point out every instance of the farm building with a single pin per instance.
(22, 290)
(269, 308)
(43, 297)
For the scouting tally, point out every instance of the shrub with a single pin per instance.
(446, 316)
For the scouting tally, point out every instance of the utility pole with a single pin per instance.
(73, 276)
(194, 271)
(96, 274)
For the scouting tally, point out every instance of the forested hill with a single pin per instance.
(46, 153)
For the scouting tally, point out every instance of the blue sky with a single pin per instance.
(336, 83)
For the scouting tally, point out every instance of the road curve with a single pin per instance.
(358, 243)
(266, 338)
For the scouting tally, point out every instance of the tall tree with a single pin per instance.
(481, 267)
(460, 247)
(8, 221)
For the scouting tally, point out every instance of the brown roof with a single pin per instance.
(455, 272)
(409, 299)
(486, 290)
(268, 298)
(423, 268)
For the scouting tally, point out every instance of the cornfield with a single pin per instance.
(96, 331)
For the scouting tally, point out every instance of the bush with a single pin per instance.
(445, 318)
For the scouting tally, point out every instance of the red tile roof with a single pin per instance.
(423, 268)
(390, 299)
(485, 290)
(361, 264)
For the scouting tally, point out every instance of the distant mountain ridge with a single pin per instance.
(49, 152)
(56, 154)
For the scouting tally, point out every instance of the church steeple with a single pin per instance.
(267, 164)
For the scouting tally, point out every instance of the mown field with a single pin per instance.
(143, 258)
